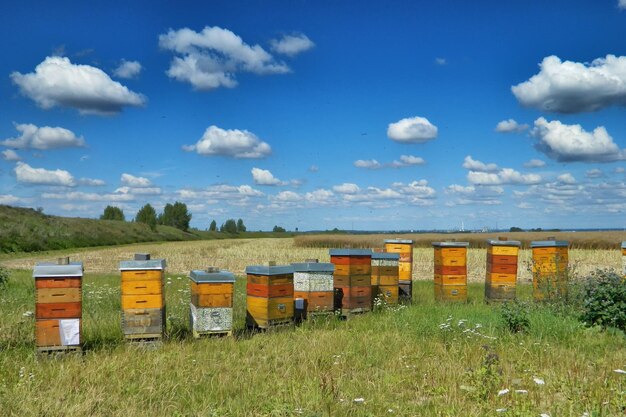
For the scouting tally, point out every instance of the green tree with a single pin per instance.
(112, 213)
(147, 215)
(175, 215)
(240, 226)
(230, 226)
(516, 229)
(213, 226)
(278, 229)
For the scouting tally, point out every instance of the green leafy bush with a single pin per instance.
(4, 275)
(604, 302)
(515, 316)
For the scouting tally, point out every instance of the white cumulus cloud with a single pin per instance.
(58, 82)
(621, 4)
(594, 173)
(474, 165)
(133, 181)
(265, 177)
(10, 155)
(9, 199)
(211, 58)
(40, 176)
(412, 130)
(82, 196)
(346, 188)
(320, 196)
(502, 177)
(566, 178)
(43, 138)
(368, 164)
(571, 143)
(534, 163)
(510, 126)
(128, 69)
(291, 45)
(574, 87)
(233, 143)
(139, 190)
(288, 196)
(91, 182)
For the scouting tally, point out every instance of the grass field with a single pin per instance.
(427, 359)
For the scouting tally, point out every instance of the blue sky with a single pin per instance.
(390, 115)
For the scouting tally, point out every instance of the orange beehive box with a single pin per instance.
(550, 265)
(352, 285)
(501, 277)
(384, 280)
(211, 307)
(143, 298)
(58, 305)
(314, 283)
(450, 266)
(269, 298)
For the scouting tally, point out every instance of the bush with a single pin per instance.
(604, 302)
(4, 275)
(515, 316)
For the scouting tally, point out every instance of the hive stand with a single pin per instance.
(353, 280)
(211, 306)
(143, 299)
(58, 307)
(385, 278)
(501, 277)
(269, 297)
(450, 259)
(550, 269)
(313, 282)
(403, 247)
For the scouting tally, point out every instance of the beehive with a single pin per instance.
(353, 288)
(313, 282)
(501, 278)
(143, 298)
(385, 277)
(269, 296)
(211, 307)
(403, 247)
(450, 259)
(550, 262)
(58, 306)
(624, 258)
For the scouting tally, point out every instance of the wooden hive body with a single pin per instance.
(269, 296)
(624, 259)
(58, 306)
(450, 271)
(385, 278)
(501, 275)
(211, 306)
(404, 248)
(550, 260)
(143, 298)
(352, 280)
(314, 282)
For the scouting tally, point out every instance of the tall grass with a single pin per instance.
(396, 362)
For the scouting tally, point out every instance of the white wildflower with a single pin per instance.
(359, 400)
(620, 371)
(500, 410)
(539, 381)
(503, 392)
(521, 391)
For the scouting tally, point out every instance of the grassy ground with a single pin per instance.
(396, 362)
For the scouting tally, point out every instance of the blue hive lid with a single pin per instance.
(386, 255)
(549, 244)
(49, 269)
(211, 276)
(409, 241)
(269, 269)
(350, 252)
(497, 242)
(313, 267)
(451, 244)
(142, 265)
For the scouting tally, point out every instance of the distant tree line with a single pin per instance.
(175, 215)
(229, 226)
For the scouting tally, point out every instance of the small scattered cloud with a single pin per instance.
(468, 195)
(288, 196)
(43, 138)
(10, 155)
(368, 164)
(9, 199)
(39, 176)
(320, 196)
(91, 182)
(346, 188)
(621, 4)
(473, 165)
(412, 130)
(404, 161)
(534, 163)
(314, 168)
(133, 181)
(441, 61)
(571, 143)
(265, 177)
(291, 45)
(58, 82)
(566, 178)
(575, 87)
(128, 69)
(232, 143)
(594, 173)
(502, 177)
(211, 58)
(82, 196)
(510, 126)
(139, 190)
(619, 170)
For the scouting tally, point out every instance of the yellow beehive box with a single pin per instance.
(403, 247)
(450, 266)
(501, 276)
(269, 298)
(550, 266)
(456, 293)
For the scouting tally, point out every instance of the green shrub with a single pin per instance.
(515, 316)
(604, 302)
(4, 275)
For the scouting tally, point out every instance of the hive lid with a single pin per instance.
(451, 244)
(49, 269)
(386, 255)
(624, 245)
(409, 241)
(269, 269)
(350, 252)
(313, 267)
(498, 242)
(206, 276)
(548, 243)
(143, 265)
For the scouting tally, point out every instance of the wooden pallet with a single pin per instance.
(58, 350)
(216, 333)
(145, 340)
(351, 313)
